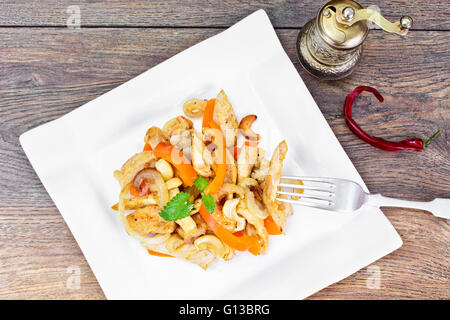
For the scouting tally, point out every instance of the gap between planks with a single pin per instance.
(167, 27)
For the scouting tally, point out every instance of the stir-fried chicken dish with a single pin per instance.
(196, 195)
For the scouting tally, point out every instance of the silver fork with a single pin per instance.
(342, 195)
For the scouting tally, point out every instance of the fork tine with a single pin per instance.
(298, 186)
(305, 196)
(310, 179)
(325, 205)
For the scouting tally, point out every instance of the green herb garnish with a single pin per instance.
(178, 208)
(209, 202)
(201, 183)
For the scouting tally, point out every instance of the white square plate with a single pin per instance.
(75, 156)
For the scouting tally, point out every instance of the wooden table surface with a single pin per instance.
(47, 70)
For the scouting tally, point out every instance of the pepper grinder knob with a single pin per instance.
(406, 22)
(348, 13)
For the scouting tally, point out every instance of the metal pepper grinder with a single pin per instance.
(330, 46)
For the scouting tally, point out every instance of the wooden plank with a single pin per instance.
(418, 270)
(47, 72)
(429, 15)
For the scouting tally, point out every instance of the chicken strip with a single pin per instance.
(198, 151)
(246, 160)
(232, 172)
(138, 202)
(278, 211)
(202, 227)
(258, 225)
(224, 116)
(177, 247)
(147, 220)
(261, 168)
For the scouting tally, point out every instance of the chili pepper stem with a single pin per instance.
(426, 142)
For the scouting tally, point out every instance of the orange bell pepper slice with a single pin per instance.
(178, 160)
(147, 147)
(271, 226)
(134, 191)
(242, 243)
(208, 113)
(221, 168)
(158, 254)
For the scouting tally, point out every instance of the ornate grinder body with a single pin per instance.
(330, 46)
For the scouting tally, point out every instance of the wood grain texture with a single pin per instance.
(430, 15)
(47, 72)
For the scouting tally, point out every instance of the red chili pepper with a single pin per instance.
(407, 144)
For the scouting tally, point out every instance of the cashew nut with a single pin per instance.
(164, 168)
(173, 183)
(173, 192)
(229, 211)
(187, 224)
(245, 126)
(211, 243)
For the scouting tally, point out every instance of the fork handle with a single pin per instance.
(438, 207)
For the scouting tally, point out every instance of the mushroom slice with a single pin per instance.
(132, 166)
(224, 116)
(147, 220)
(156, 184)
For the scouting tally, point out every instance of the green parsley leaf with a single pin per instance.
(201, 183)
(177, 208)
(209, 203)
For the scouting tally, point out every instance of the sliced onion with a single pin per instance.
(156, 184)
(194, 108)
(148, 241)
